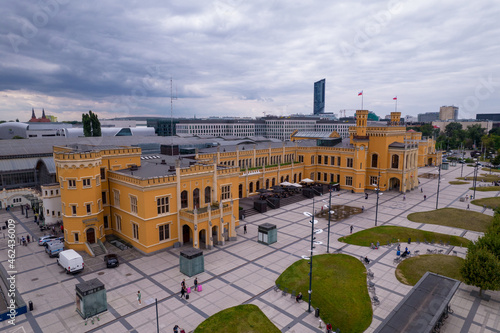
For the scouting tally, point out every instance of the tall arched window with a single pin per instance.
(312, 159)
(281, 179)
(208, 194)
(240, 191)
(257, 185)
(184, 199)
(395, 162)
(300, 176)
(250, 187)
(273, 182)
(196, 198)
(267, 183)
(374, 161)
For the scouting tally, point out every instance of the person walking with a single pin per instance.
(425, 197)
(28, 238)
(183, 283)
(183, 291)
(468, 206)
(176, 329)
(245, 229)
(404, 197)
(139, 296)
(351, 228)
(421, 190)
(196, 284)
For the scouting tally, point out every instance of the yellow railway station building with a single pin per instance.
(176, 201)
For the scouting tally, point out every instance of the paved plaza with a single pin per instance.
(244, 271)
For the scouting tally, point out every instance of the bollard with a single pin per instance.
(30, 304)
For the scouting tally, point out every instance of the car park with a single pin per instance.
(45, 239)
(111, 260)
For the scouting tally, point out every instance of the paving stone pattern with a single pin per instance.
(244, 271)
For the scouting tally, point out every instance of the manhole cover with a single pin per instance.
(100, 273)
(128, 274)
(35, 279)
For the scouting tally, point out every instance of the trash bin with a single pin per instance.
(409, 240)
(316, 313)
(30, 304)
(398, 253)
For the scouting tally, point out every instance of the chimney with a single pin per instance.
(163, 162)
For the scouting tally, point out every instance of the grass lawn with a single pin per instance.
(458, 182)
(482, 178)
(486, 188)
(239, 319)
(409, 271)
(453, 217)
(391, 234)
(492, 203)
(492, 169)
(339, 290)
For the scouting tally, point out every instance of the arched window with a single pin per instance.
(312, 159)
(374, 161)
(395, 162)
(273, 182)
(196, 198)
(267, 183)
(250, 187)
(281, 179)
(240, 191)
(257, 185)
(208, 194)
(184, 199)
(295, 178)
(300, 176)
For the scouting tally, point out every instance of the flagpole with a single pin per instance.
(362, 95)
(396, 104)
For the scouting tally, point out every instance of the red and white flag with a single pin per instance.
(360, 93)
(395, 98)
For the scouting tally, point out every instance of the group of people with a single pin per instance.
(25, 241)
(184, 288)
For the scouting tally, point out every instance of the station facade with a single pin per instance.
(153, 206)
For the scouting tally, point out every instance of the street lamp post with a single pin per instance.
(475, 178)
(311, 259)
(329, 219)
(439, 182)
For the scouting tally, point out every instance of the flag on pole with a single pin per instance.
(395, 98)
(360, 93)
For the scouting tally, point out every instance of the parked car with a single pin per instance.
(111, 260)
(45, 239)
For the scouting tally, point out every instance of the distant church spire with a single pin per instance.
(33, 113)
(43, 113)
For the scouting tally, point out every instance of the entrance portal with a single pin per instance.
(186, 234)
(394, 184)
(91, 235)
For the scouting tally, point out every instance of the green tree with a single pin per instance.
(475, 133)
(452, 128)
(96, 124)
(91, 124)
(481, 269)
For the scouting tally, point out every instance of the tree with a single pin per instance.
(481, 269)
(475, 133)
(91, 124)
(87, 126)
(452, 128)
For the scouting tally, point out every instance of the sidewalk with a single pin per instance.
(244, 271)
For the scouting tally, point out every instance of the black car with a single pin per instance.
(111, 260)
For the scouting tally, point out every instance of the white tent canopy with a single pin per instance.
(286, 184)
(307, 180)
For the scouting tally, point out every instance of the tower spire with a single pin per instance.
(43, 113)
(33, 113)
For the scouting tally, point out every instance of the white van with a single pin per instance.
(54, 248)
(71, 261)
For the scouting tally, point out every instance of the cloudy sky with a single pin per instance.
(247, 58)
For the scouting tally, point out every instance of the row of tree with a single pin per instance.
(482, 263)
